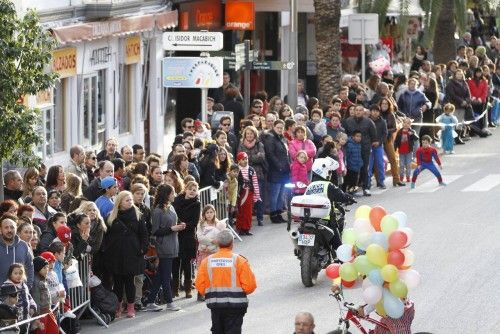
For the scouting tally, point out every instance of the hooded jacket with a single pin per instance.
(18, 252)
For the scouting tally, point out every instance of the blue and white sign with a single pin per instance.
(192, 72)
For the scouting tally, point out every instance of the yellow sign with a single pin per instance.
(64, 62)
(132, 50)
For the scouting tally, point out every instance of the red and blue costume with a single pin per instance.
(424, 161)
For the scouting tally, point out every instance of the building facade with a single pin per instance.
(108, 58)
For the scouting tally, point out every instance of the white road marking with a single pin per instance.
(485, 184)
(432, 185)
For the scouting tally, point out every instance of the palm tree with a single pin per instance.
(444, 41)
(328, 53)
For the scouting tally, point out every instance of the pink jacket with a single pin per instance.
(341, 168)
(297, 145)
(299, 172)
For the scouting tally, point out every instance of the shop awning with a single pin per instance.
(119, 27)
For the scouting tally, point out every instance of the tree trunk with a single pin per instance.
(444, 42)
(328, 53)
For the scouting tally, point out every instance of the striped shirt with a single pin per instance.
(399, 326)
(255, 182)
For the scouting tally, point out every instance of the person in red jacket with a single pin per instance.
(425, 155)
(478, 87)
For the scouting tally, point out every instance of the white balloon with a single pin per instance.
(372, 294)
(363, 225)
(364, 240)
(411, 277)
(401, 217)
(409, 257)
(344, 253)
(366, 283)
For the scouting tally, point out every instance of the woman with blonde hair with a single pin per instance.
(72, 191)
(126, 244)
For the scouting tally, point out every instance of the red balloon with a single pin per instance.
(348, 284)
(397, 240)
(332, 271)
(396, 258)
(376, 215)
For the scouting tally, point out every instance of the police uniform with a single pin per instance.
(334, 194)
(225, 279)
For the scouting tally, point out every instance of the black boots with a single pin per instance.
(276, 218)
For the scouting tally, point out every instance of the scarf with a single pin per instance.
(249, 144)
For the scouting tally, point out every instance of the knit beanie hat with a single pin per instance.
(38, 263)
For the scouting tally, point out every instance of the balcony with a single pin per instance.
(97, 9)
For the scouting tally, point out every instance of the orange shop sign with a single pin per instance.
(240, 15)
(64, 62)
(196, 15)
(132, 50)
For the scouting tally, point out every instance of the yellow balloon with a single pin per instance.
(348, 272)
(377, 255)
(398, 288)
(389, 273)
(362, 212)
(379, 308)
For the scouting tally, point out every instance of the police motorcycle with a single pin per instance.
(320, 224)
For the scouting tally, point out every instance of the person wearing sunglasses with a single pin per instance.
(90, 165)
(225, 126)
(187, 124)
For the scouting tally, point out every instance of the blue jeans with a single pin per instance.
(377, 159)
(162, 278)
(276, 191)
(259, 205)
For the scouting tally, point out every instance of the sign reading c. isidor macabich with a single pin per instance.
(192, 72)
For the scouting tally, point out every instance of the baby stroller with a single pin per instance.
(103, 301)
(150, 272)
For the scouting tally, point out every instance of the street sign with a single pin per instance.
(229, 58)
(363, 29)
(192, 72)
(239, 50)
(272, 65)
(192, 41)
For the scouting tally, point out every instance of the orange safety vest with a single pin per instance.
(225, 279)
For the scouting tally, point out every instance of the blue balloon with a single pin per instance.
(393, 306)
(380, 238)
(375, 277)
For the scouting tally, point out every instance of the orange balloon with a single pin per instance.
(376, 215)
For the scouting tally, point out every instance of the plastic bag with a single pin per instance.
(72, 275)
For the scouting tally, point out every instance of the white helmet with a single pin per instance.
(323, 166)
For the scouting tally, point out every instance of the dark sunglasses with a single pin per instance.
(225, 124)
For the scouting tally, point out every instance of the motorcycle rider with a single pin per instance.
(321, 186)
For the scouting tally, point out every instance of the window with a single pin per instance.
(51, 103)
(93, 114)
(126, 98)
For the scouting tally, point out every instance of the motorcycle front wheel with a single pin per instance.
(308, 267)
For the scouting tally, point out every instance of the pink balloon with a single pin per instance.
(396, 257)
(332, 271)
(397, 240)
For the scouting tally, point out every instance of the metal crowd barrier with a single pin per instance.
(79, 297)
(27, 321)
(218, 198)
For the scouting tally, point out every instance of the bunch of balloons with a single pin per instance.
(375, 254)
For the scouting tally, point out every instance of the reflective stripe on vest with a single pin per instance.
(318, 188)
(232, 296)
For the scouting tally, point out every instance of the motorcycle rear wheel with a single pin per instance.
(308, 267)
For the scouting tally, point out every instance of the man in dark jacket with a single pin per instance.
(279, 169)
(377, 155)
(13, 185)
(232, 140)
(106, 168)
(368, 140)
(413, 103)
